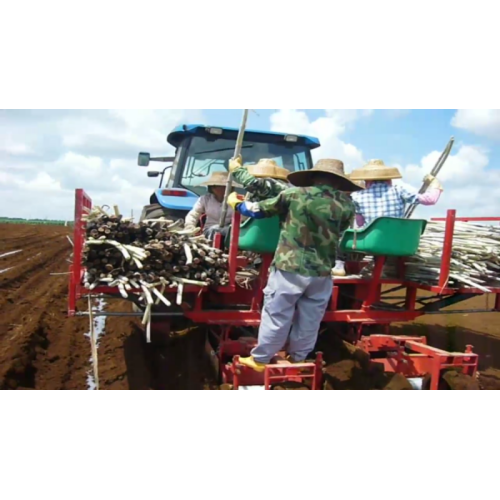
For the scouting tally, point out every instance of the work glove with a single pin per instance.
(432, 182)
(235, 163)
(234, 200)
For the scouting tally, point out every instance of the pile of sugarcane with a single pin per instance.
(120, 253)
(475, 257)
(148, 257)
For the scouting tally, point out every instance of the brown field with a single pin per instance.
(40, 348)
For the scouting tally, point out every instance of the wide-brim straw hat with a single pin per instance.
(268, 168)
(219, 179)
(361, 184)
(375, 170)
(335, 168)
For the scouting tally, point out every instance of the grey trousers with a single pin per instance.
(295, 302)
(210, 232)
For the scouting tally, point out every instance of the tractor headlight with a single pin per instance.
(214, 131)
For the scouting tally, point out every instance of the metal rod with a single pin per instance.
(237, 152)
(444, 273)
(462, 311)
(468, 219)
(93, 344)
(127, 314)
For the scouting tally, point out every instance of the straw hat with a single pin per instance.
(361, 184)
(218, 179)
(268, 168)
(335, 168)
(375, 170)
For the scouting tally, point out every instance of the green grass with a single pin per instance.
(14, 220)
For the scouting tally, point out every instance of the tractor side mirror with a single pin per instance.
(143, 160)
(153, 174)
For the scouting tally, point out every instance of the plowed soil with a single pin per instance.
(40, 348)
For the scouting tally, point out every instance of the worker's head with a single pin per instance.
(217, 191)
(269, 169)
(328, 172)
(320, 178)
(375, 170)
(217, 185)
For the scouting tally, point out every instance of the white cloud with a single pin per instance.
(484, 122)
(469, 185)
(45, 155)
(327, 129)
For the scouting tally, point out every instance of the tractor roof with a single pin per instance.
(179, 133)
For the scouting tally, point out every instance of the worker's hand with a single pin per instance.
(234, 200)
(235, 163)
(432, 182)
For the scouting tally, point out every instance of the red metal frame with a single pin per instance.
(278, 373)
(198, 302)
(468, 219)
(82, 202)
(422, 359)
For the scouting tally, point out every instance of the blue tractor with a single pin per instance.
(202, 150)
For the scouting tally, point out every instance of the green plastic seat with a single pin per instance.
(258, 235)
(385, 236)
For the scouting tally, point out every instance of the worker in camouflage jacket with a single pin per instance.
(263, 180)
(313, 216)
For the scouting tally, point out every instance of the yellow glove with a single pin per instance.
(235, 163)
(432, 182)
(234, 200)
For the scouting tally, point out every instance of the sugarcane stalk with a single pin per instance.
(237, 152)
(434, 172)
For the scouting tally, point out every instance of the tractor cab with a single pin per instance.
(201, 151)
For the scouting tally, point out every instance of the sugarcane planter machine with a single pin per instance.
(358, 310)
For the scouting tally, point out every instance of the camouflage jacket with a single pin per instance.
(259, 188)
(312, 221)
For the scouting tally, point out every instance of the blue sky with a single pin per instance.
(46, 154)
(403, 136)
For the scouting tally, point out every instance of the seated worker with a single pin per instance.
(339, 268)
(262, 180)
(382, 198)
(210, 204)
(312, 215)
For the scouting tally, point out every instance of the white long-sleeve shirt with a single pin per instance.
(207, 204)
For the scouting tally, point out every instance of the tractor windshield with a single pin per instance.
(206, 156)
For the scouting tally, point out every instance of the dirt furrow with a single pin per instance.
(40, 348)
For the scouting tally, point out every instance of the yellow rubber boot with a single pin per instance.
(251, 363)
(339, 269)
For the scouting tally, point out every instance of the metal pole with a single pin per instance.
(129, 314)
(93, 344)
(434, 172)
(237, 152)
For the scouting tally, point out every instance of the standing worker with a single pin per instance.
(262, 180)
(313, 215)
(382, 198)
